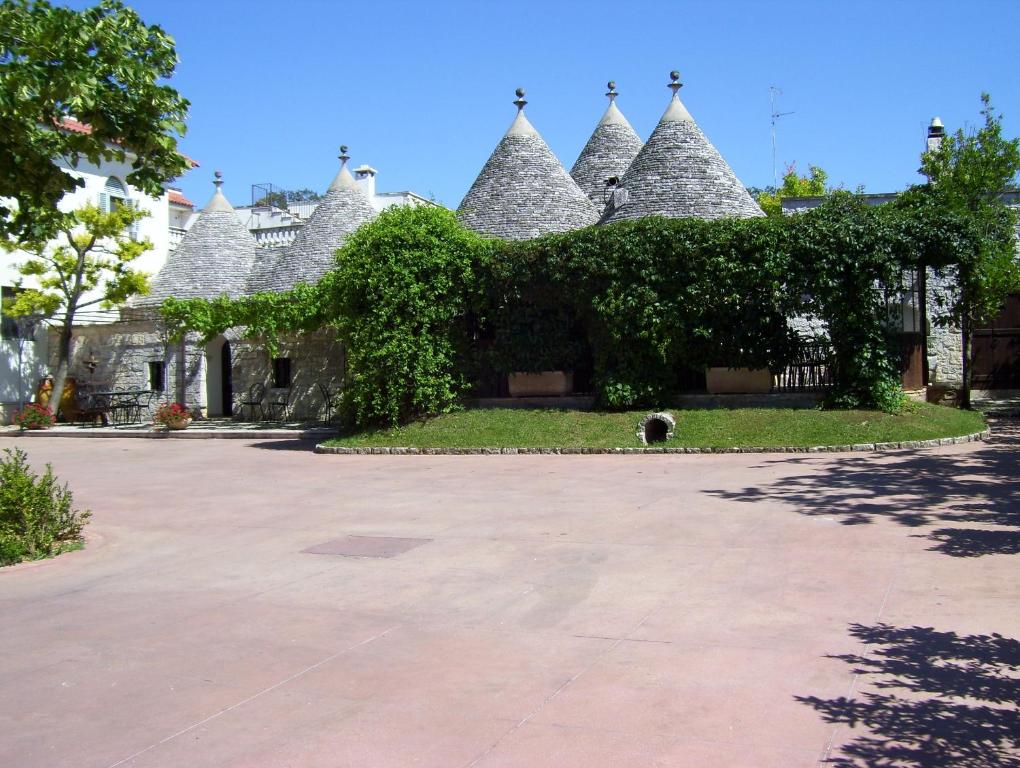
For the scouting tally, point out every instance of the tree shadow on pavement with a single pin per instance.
(977, 493)
(941, 700)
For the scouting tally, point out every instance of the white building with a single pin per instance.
(24, 346)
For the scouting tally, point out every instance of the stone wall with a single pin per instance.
(945, 346)
(315, 358)
(123, 351)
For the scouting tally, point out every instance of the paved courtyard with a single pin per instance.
(710, 611)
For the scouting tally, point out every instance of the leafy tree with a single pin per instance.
(968, 172)
(812, 185)
(302, 195)
(274, 199)
(279, 198)
(88, 264)
(101, 66)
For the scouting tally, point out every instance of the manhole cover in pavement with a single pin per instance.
(366, 546)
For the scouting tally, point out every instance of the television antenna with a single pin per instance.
(773, 92)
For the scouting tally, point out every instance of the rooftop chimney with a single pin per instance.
(365, 176)
(936, 132)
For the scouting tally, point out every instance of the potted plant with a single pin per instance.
(172, 416)
(34, 416)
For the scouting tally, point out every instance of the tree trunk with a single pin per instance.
(63, 363)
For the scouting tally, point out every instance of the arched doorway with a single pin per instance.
(219, 391)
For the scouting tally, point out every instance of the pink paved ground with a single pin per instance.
(735, 610)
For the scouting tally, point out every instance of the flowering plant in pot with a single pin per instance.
(34, 416)
(172, 416)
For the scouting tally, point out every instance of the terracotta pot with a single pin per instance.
(178, 423)
(738, 381)
(543, 384)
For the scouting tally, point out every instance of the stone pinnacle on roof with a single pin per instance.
(678, 173)
(608, 154)
(522, 190)
(213, 259)
(344, 208)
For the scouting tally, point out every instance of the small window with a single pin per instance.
(113, 195)
(281, 372)
(157, 375)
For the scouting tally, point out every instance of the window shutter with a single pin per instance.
(104, 202)
(133, 229)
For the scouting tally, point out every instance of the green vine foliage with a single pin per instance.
(263, 316)
(426, 309)
(404, 293)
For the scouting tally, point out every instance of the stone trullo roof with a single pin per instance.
(609, 152)
(213, 258)
(678, 173)
(344, 208)
(269, 263)
(523, 191)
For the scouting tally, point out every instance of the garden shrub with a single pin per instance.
(36, 514)
(403, 293)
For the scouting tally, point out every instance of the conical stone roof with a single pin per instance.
(609, 152)
(678, 173)
(523, 191)
(344, 208)
(214, 257)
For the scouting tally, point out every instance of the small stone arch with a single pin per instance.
(656, 428)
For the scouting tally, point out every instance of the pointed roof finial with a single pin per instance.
(344, 157)
(611, 85)
(218, 179)
(519, 101)
(675, 85)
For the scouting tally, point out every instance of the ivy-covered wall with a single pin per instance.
(426, 309)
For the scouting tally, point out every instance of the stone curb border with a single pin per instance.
(184, 434)
(856, 448)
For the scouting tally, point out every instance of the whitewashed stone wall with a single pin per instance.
(123, 352)
(314, 358)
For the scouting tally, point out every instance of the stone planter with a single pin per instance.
(738, 381)
(543, 384)
(178, 424)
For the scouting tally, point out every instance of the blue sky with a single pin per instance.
(422, 90)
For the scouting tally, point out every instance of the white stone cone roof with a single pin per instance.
(344, 208)
(609, 152)
(213, 259)
(678, 173)
(523, 191)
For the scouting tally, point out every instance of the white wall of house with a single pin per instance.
(24, 362)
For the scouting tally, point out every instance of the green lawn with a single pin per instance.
(718, 428)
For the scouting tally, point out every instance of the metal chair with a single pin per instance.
(93, 406)
(328, 395)
(256, 394)
(280, 399)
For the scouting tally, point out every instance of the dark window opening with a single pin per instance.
(157, 376)
(281, 372)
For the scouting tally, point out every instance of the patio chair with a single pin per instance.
(253, 402)
(94, 406)
(277, 405)
(328, 400)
